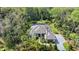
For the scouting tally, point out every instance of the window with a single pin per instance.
(40, 36)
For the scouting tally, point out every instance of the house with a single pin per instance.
(41, 31)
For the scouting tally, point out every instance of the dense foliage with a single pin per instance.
(17, 21)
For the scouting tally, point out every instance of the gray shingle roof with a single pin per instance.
(42, 28)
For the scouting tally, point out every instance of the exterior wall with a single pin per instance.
(45, 36)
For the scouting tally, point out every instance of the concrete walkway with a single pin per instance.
(59, 42)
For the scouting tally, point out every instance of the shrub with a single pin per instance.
(67, 46)
(73, 36)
